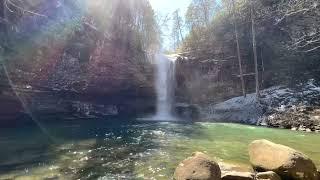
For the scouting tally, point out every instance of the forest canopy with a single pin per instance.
(286, 34)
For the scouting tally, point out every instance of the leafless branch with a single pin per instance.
(292, 13)
(313, 49)
(307, 41)
(6, 4)
(163, 20)
(22, 9)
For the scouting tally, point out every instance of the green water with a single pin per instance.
(117, 149)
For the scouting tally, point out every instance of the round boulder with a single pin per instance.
(269, 175)
(285, 161)
(198, 167)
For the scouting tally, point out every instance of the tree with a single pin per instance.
(254, 47)
(3, 25)
(127, 20)
(199, 13)
(308, 11)
(238, 49)
(177, 28)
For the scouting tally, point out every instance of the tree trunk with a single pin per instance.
(238, 51)
(180, 30)
(3, 23)
(263, 69)
(254, 46)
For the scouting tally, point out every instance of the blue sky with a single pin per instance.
(164, 7)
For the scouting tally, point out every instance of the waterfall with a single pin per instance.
(165, 85)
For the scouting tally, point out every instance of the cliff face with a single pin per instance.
(109, 87)
(208, 75)
(112, 77)
(67, 63)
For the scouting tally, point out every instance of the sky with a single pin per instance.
(168, 6)
(164, 7)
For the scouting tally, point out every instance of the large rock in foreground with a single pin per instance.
(285, 161)
(198, 167)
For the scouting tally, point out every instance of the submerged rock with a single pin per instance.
(238, 176)
(197, 167)
(269, 175)
(285, 161)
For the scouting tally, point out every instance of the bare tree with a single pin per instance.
(3, 26)
(238, 49)
(254, 46)
(307, 40)
(199, 13)
(177, 28)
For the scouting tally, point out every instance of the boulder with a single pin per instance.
(238, 176)
(269, 175)
(197, 167)
(227, 168)
(285, 161)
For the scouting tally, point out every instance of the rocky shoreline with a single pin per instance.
(296, 108)
(301, 118)
(269, 161)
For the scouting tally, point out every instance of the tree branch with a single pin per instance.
(10, 10)
(313, 49)
(22, 9)
(291, 14)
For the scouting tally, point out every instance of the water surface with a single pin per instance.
(118, 149)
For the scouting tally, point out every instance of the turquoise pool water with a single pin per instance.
(121, 149)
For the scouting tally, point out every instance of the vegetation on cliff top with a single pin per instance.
(219, 42)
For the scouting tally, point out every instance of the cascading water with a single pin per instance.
(165, 85)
